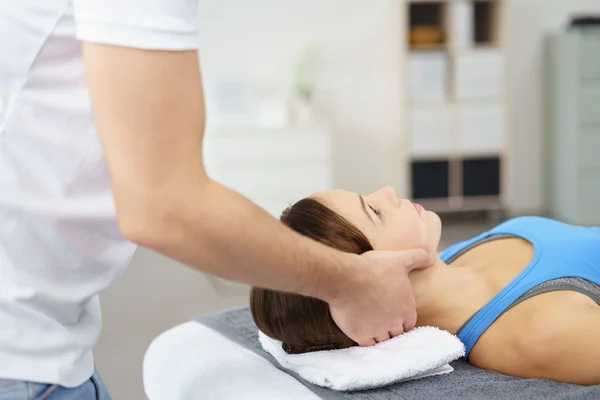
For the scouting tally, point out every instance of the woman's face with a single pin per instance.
(388, 222)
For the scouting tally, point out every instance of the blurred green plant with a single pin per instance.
(306, 74)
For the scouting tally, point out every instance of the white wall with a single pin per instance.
(528, 22)
(258, 40)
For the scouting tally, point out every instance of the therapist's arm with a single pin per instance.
(150, 113)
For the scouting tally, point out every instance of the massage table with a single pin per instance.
(218, 356)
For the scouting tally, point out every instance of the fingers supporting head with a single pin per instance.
(417, 259)
(410, 320)
(383, 337)
(368, 343)
(397, 332)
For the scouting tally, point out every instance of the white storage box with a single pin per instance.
(480, 129)
(478, 74)
(432, 131)
(427, 77)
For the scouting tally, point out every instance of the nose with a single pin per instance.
(387, 194)
(390, 193)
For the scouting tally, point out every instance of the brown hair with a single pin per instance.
(301, 323)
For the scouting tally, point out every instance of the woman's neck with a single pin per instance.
(440, 293)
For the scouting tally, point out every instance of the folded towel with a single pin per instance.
(421, 352)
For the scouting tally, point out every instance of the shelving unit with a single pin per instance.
(455, 114)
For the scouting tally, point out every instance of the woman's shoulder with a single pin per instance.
(541, 336)
(537, 222)
(529, 227)
(531, 221)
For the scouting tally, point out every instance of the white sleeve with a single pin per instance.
(144, 24)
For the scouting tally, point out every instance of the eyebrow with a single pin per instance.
(364, 208)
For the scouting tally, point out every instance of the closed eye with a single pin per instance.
(376, 212)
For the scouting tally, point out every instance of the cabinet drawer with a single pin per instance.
(481, 177)
(589, 105)
(589, 147)
(589, 193)
(590, 57)
(430, 179)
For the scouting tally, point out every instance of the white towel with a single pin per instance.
(421, 352)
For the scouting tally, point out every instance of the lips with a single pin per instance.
(419, 208)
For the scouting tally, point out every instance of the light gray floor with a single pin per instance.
(156, 294)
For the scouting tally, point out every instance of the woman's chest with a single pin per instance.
(494, 265)
(517, 342)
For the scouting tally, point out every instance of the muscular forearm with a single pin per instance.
(150, 112)
(149, 109)
(218, 231)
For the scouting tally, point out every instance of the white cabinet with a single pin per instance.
(573, 127)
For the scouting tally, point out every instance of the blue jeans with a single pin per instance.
(92, 389)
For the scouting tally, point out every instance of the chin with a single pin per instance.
(432, 217)
(434, 227)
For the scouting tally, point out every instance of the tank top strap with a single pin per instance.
(481, 321)
(453, 251)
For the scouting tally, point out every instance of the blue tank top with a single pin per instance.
(560, 251)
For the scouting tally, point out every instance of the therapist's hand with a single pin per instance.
(378, 302)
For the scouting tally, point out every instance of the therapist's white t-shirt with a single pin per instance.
(59, 241)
